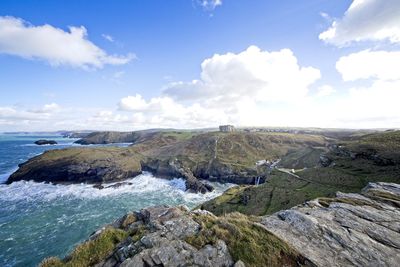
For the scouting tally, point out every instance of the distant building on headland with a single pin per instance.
(226, 128)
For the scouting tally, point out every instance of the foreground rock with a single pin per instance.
(42, 142)
(175, 236)
(349, 230)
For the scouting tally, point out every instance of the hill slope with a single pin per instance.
(349, 166)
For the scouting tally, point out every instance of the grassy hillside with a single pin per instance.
(369, 158)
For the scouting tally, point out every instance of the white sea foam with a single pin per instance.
(140, 185)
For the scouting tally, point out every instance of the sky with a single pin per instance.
(130, 65)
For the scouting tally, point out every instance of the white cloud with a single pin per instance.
(325, 90)
(366, 20)
(260, 75)
(16, 115)
(251, 88)
(373, 106)
(166, 112)
(367, 64)
(325, 16)
(48, 108)
(108, 37)
(133, 103)
(54, 45)
(233, 88)
(209, 4)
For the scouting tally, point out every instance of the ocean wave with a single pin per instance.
(144, 184)
(48, 145)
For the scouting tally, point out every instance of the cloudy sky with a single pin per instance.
(127, 65)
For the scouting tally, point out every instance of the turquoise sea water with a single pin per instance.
(38, 220)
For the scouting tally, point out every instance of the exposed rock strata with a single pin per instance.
(162, 242)
(349, 230)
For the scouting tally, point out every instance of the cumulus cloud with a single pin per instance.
(375, 104)
(366, 20)
(54, 45)
(166, 112)
(232, 88)
(383, 65)
(260, 75)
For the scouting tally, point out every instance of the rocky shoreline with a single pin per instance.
(348, 230)
(195, 157)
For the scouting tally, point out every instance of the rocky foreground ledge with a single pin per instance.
(348, 230)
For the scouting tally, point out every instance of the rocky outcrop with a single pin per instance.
(158, 239)
(349, 230)
(42, 142)
(324, 160)
(174, 169)
(359, 152)
(78, 165)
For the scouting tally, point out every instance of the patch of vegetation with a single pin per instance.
(247, 241)
(282, 190)
(90, 252)
(307, 157)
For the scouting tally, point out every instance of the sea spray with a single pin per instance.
(36, 216)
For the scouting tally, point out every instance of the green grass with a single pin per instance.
(283, 191)
(246, 240)
(90, 252)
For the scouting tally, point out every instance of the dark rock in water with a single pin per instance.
(117, 185)
(98, 186)
(42, 142)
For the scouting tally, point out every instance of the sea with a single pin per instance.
(38, 220)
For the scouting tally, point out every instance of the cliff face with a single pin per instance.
(223, 157)
(348, 230)
(77, 165)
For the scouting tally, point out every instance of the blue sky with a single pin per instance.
(131, 64)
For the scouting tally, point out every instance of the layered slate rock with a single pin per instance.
(349, 230)
(159, 240)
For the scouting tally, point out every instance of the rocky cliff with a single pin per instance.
(348, 230)
(229, 157)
